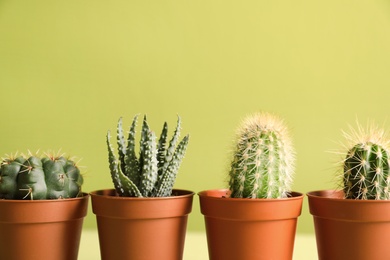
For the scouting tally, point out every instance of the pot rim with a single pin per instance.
(338, 196)
(110, 194)
(244, 209)
(84, 194)
(106, 204)
(206, 193)
(43, 211)
(330, 204)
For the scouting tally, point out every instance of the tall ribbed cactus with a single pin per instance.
(263, 161)
(366, 165)
(37, 178)
(153, 172)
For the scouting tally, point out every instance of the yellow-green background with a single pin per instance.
(70, 69)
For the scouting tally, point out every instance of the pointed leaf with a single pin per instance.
(167, 180)
(149, 168)
(172, 145)
(161, 148)
(128, 185)
(113, 165)
(121, 143)
(132, 168)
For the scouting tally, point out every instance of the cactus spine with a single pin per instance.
(37, 178)
(263, 161)
(153, 172)
(366, 165)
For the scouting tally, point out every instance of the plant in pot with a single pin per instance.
(143, 217)
(256, 217)
(354, 222)
(42, 207)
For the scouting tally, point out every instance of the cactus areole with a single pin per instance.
(263, 160)
(153, 172)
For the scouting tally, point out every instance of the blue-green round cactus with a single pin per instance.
(263, 160)
(37, 178)
(153, 172)
(366, 166)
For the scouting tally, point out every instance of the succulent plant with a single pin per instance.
(153, 172)
(263, 160)
(366, 165)
(36, 177)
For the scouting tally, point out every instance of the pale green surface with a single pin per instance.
(70, 69)
(196, 247)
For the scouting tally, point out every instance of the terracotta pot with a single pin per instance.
(141, 228)
(350, 229)
(248, 229)
(41, 229)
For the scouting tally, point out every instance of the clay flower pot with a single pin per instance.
(41, 229)
(248, 229)
(141, 228)
(350, 229)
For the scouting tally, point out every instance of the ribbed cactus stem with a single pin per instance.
(9, 170)
(366, 165)
(366, 172)
(56, 180)
(31, 180)
(263, 161)
(36, 178)
(75, 178)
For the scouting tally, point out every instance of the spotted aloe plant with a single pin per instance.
(151, 173)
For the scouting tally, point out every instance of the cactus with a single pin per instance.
(263, 160)
(39, 177)
(366, 165)
(153, 172)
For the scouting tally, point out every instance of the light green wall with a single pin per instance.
(70, 69)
